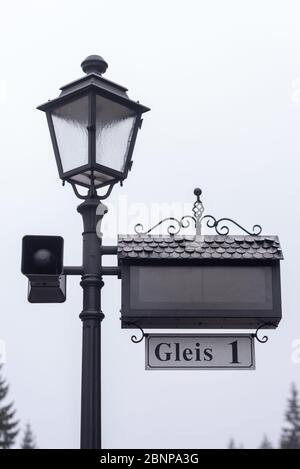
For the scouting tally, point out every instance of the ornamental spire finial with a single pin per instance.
(198, 210)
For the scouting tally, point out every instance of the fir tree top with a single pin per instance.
(8, 425)
(290, 438)
(28, 438)
(266, 444)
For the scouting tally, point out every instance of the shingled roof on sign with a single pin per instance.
(204, 247)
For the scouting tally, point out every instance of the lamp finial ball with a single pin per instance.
(94, 64)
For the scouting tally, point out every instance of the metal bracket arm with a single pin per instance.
(111, 271)
(103, 271)
(68, 270)
(109, 250)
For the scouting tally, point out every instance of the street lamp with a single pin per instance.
(93, 126)
(179, 281)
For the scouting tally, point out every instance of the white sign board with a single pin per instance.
(199, 352)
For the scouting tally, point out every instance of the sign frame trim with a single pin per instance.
(251, 336)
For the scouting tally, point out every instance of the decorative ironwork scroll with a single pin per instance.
(173, 228)
(134, 338)
(265, 338)
(196, 220)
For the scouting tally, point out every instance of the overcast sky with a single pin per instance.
(222, 79)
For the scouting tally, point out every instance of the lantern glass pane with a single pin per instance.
(70, 123)
(114, 127)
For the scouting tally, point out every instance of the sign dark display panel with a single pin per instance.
(201, 296)
(206, 287)
(168, 288)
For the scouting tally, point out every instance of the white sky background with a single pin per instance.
(223, 81)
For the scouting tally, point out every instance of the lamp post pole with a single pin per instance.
(88, 114)
(91, 317)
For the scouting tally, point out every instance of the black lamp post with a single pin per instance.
(93, 127)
